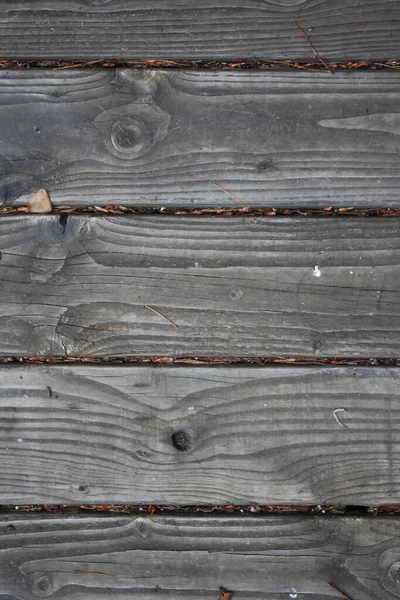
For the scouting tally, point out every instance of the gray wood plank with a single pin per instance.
(183, 435)
(167, 138)
(232, 286)
(275, 558)
(212, 29)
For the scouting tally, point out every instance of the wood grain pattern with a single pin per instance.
(78, 286)
(79, 434)
(189, 558)
(212, 29)
(167, 138)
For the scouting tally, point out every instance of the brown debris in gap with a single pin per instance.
(254, 63)
(372, 511)
(88, 63)
(228, 211)
(206, 360)
(224, 594)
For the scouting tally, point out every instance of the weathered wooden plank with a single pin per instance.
(212, 29)
(97, 557)
(199, 435)
(175, 138)
(79, 286)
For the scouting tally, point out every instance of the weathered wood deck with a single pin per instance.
(221, 29)
(78, 286)
(175, 138)
(190, 558)
(76, 434)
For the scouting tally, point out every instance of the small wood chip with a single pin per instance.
(40, 203)
(224, 594)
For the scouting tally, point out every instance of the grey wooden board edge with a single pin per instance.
(221, 29)
(75, 434)
(200, 138)
(82, 286)
(93, 557)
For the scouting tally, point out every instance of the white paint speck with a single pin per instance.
(196, 264)
(351, 272)
(293, 593)
(20, 440)
(316, 272)
(190, 408)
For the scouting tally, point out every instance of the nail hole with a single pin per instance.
(181, 440)
(264, 165)
(83, 488)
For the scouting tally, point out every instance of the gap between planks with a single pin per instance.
(254, 64)
(152, 509)
(223, 211)
(204, 360)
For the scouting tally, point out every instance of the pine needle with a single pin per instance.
(321, 60)
(160, 315)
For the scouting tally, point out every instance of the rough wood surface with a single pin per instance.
(212, 29)
(164, 138)
(190, 558)
(79, 434)
(80, 286)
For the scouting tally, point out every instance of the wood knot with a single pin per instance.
(130, 137)
(142, 527)
(394, 572)
(181, 440)
(131, 131)
(236, 294)
(389, 571)
(41, 585)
